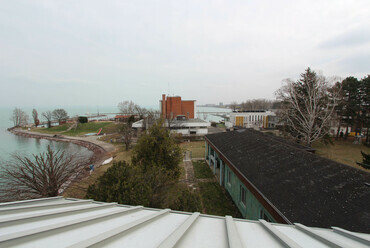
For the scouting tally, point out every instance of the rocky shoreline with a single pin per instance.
(96, 149)
(97, 158)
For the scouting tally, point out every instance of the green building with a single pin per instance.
(280, 181)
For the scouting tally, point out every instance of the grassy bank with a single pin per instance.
(342, 151)
(81, 129)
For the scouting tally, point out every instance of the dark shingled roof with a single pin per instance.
(304, 187)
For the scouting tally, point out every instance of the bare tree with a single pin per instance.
(128, 107)
(19, 117)
(256, 104)
(35, 116)
(127, 134)
(48, 115)
(37, 176)
(307, 106)
(234, 105)
(60, 115)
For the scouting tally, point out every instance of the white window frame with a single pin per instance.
(243, 195)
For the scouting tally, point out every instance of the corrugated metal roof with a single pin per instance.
(66, 222)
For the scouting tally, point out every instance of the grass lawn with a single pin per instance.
(342, 151)
(55, 129)
(197, 148)
(201, 170)
(215, 201)
(90, 127)
(78, 189)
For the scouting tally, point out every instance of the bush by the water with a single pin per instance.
(82, 119)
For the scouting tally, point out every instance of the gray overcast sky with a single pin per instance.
(103, 52)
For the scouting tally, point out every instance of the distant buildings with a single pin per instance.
(179, 117)
(276, 180)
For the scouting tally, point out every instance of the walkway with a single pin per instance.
(189, 179)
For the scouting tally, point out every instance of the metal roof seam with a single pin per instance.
(316, 235)
(232, 233)
(55, 212)
(120, 230)
(31, 200)
(281, 237)
(8, 237)
(175, 236)
(22, 208)
(351, 235)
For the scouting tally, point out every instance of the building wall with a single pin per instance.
(191, 131)
(172, 106)
(252, 209)
(188, 107)
(250, 119)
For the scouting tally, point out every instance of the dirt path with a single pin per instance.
(189, 179)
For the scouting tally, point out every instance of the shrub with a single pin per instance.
(180, 197)
(82, 119)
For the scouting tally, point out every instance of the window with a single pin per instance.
(264, 216)
(228, 177)
(243, 195)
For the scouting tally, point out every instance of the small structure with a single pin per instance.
(191, 127)
(276, 180)
(187, 128)
(67, 222)
(121, 118)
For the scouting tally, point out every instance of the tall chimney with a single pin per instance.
(164, 106)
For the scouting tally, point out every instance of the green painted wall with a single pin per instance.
(253, 209)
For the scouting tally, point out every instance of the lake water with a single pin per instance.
(10, 143)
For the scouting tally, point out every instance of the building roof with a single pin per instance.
(122, 116)
(189, 123)
(304, 187)
(66, 222)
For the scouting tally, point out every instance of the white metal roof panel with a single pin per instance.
(59, 222)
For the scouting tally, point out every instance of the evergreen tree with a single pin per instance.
(365, 160)
(122, 183)
(158, 149)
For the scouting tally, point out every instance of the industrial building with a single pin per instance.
(276, 180)
(173, 106)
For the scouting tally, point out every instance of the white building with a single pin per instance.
(250, 119)
(190, 127)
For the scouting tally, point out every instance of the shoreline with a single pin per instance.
(97, 158)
